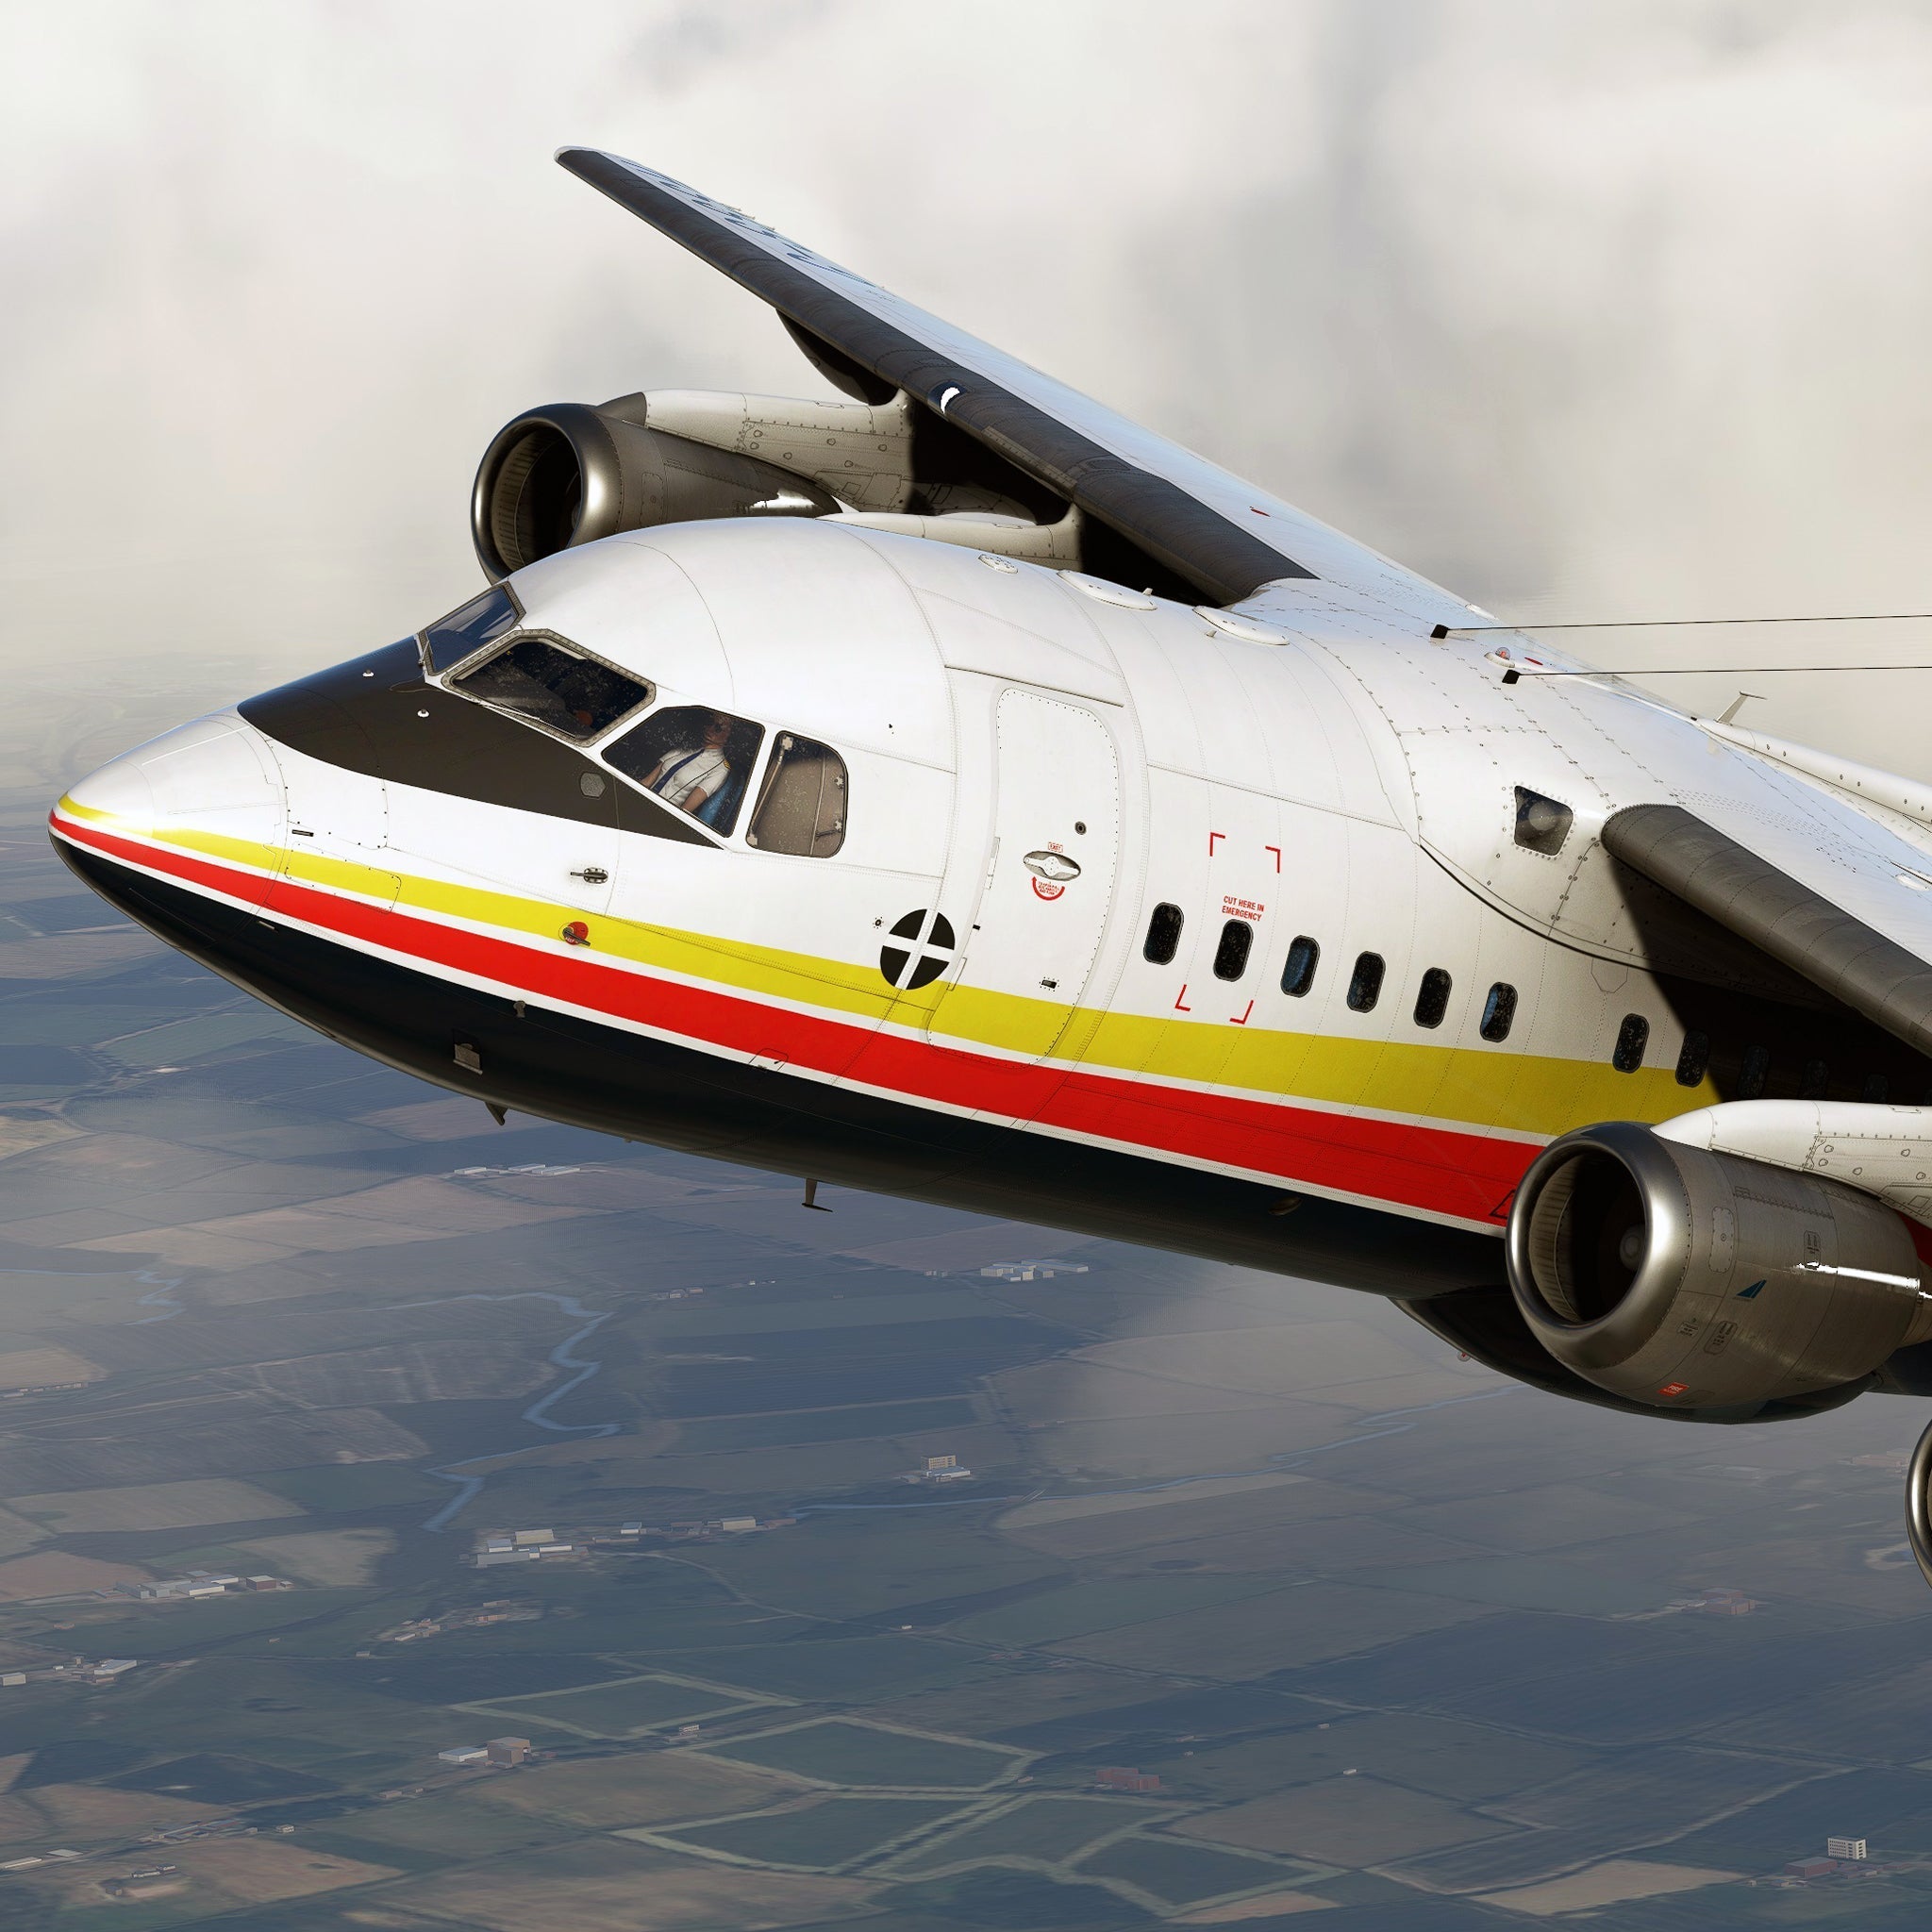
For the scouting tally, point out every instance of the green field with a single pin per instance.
(453, 1827)
(1182, 1874)
(826, 1425)
(181, 1041)
(849, 1754)
(212, 1778)
(713, 1315)
(182, 1629)
(1049, 1829)
(856, 1563)
(1453, 1761)
(329, 1488)
(1105, 1605)
(458, 1679)
(859, 1669)
(280, 1714)
(818, 1836)
(618, 1709)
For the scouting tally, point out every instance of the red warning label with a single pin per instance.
(1232, 907)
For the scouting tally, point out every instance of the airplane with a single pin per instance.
(952, 789)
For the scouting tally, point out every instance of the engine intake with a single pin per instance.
(570, 473)
(1686, 1279)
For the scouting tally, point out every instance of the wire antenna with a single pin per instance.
(1529, 668)
(1468, 630)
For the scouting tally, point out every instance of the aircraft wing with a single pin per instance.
(1196, 518)
(1810, 879)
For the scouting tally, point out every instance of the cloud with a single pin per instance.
(1584, 310)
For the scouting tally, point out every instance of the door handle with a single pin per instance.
(592, 876)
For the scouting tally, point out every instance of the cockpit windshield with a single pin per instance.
(692, 757)
(547, 682)
(469, 628)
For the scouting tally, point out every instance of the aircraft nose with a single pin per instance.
(205, 785)
(118, 793)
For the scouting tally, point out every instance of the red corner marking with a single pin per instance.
(1276, 849)
(1242, 1021)
(1179, 997)
(1213, 839)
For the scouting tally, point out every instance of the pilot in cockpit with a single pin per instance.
(688, 775)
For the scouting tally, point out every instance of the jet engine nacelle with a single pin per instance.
(1686, 1279)
(569, 473)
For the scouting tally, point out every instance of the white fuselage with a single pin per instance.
(1042, 772)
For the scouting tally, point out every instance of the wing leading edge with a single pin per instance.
(1199, 521)
(1782, 913)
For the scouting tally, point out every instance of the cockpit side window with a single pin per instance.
(803, 801)
(694, 757)
(469, 628)
(552, 683)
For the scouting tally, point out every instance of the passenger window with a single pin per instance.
(692, 757)
(1874, 1089)
(1752, 1073)
(1499, 1012)
(1298, 975)
(1693, 1061)
(548, 683)
(1633, 1036)
(1365, 983)
(1163, 935)
(802, 804)
(469, 628)
(1432, 997)
(1817, 1079)
(1231, 955)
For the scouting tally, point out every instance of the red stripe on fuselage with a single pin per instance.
(1438, 1170)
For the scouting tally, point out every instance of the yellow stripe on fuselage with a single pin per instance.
(1467, 1087)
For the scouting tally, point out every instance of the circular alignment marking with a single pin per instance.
(927, 950)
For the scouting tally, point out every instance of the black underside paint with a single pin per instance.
(375, 715)
(567, 1069)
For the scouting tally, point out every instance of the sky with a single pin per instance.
(1586, 310)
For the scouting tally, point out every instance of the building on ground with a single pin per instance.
(504, 1752)
(463, 1753)
(939, 1468)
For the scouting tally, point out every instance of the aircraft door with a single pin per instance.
(1048, 880)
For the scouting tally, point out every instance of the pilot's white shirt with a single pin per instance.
(701, 771)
